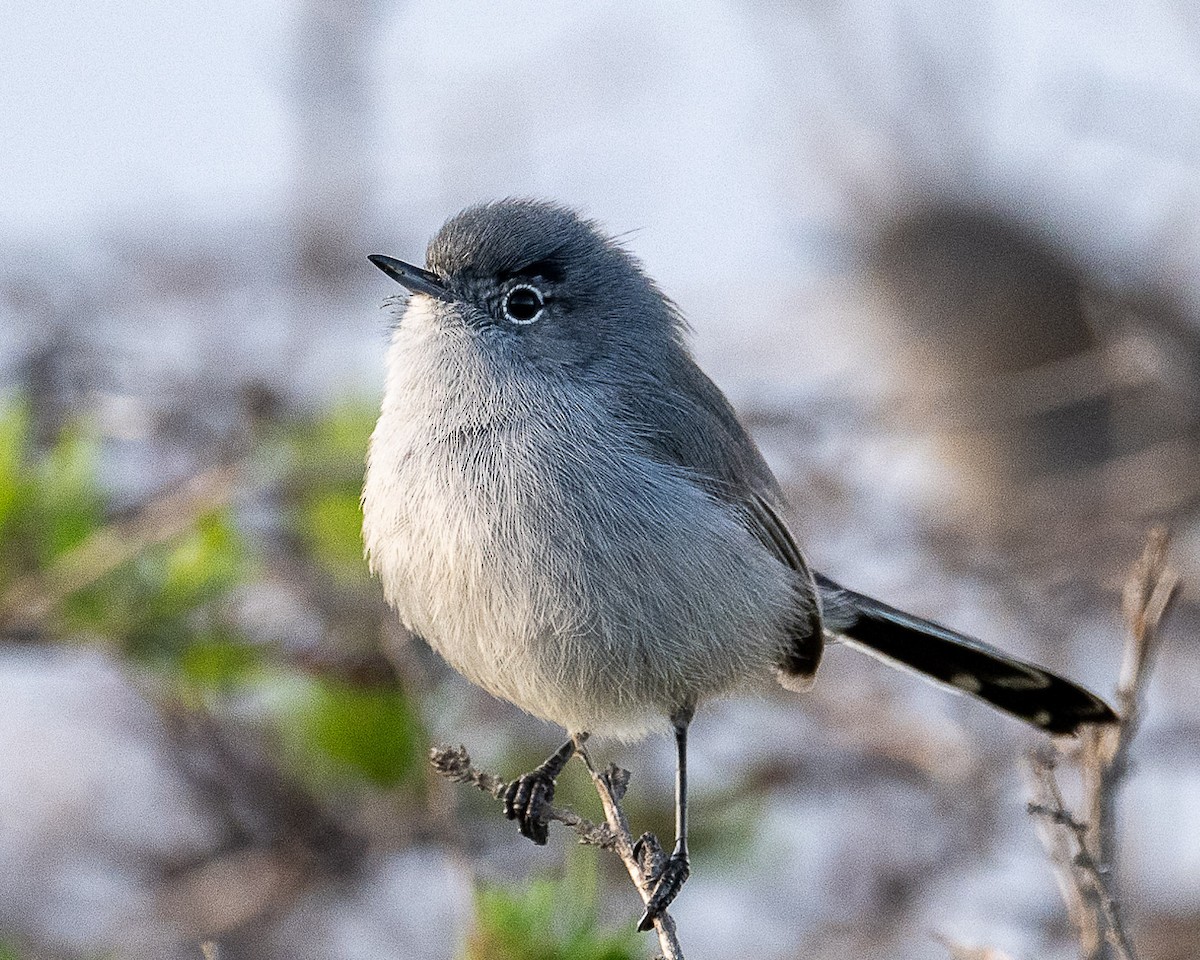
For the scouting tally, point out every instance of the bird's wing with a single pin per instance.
(691, 424)
(808, 633)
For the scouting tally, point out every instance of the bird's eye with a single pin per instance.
(523, 304)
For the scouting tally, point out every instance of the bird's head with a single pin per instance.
(539, 280)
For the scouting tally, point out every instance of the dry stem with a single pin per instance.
(1082, 849)
(454, 763)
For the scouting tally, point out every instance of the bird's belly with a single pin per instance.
(598, 591)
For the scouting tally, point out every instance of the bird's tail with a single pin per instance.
(960, 662)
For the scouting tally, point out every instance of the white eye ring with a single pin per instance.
(537, 303)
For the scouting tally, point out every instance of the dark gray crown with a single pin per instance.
(493, 239)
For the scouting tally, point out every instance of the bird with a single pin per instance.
(568, 510)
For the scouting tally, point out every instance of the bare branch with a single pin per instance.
(1089, 877)
(1148, 593)
(454, 763)
(1083, 849)
(611, 784)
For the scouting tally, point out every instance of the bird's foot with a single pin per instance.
(669, 879)
(526, 799)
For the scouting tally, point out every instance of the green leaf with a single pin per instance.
(370, 734)
(204, 563)
(325, 458)
(330, 524)
(330, 449)
(49, 501)
(162, 601)
(69, 504)
(14, 440)
(548, 920)
(219, 662)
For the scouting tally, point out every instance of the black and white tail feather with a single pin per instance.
(959, 662)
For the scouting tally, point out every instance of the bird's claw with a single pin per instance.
(526, 799)
(648, 854)
(667, 884)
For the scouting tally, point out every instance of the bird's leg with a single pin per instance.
(526, 798)
(675, 869)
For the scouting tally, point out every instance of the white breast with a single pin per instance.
(546, 558)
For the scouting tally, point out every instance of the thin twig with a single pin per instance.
(1091, 877)
(1060, 848)
(1148, 593)
(454, 763)
(1083, 849)
(611, 783)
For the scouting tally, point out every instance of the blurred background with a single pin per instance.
(943, 256)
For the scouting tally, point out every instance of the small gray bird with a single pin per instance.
(567, 509)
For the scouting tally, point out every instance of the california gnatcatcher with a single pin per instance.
(567, 509)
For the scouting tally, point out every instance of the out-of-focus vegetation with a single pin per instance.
(372, 731)
(548, 919)
(335, 717)
(323, 461)
(157, 607)
(360, 719)
(172, 608)
(48, 500)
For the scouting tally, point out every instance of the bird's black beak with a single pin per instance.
(414, 278)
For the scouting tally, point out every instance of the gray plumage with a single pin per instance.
(567, 509)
